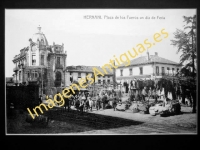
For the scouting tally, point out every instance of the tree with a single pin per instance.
(185, 41)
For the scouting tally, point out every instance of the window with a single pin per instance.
(157, 70)
(168, 70)
(33, 74)
(36, 75)
(104, 81)
(99, 81)
(79, 74)
(163, 70)
(19, 75)
(177, 69)
(28, 75)
(130, 70)
(70, 73)
(141, 70)
(33, 60)
(42, 42)
(58, 60)
(42, 59)
(173, 70)
(121, 72)
(108, 81)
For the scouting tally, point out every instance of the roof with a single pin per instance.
(153, 59)
(88, 69)
(39, 36)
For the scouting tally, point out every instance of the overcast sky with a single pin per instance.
(92, 41)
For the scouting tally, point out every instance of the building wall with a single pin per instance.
(83, 75)
(147, 69)
(165, 68)
(52, 69)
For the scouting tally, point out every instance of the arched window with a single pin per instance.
(36, 74)
(19, 75)
(42, 42)
(33, 59)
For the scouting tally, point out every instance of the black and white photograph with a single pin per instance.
(101, 71)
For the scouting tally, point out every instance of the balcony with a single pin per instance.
(15, 69)
(59, 66)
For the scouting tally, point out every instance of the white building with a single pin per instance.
(75, 73)
(147, 67)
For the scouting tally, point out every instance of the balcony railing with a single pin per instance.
(59, 66)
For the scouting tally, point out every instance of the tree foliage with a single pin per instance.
(185, 41)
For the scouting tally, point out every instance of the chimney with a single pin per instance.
(156, 53)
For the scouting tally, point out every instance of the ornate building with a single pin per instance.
(40, 63)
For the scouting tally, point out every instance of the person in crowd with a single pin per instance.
(119, 101)
(104, 98)
(86, 104)
(83, 96)
(144, 93)
(98, 102)
(67, 103)
(115, 101)
(81, 106)
(77, 103)
(106, 94)
(72, 100)
(90, 103)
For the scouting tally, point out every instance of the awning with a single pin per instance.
(133, 77)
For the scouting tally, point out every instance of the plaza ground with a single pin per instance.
(113, 122)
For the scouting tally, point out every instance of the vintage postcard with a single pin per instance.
(100, 71)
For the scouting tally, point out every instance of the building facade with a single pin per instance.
(40, 63)
(147, 67)
(75, 73)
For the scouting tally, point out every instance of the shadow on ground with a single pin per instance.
(95, 121)
(66, 122)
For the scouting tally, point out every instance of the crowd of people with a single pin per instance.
(84, 101)
(138, 91)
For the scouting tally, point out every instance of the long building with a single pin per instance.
(147, 67)
(78, 72)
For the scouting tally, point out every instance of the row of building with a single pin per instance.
(45, 65)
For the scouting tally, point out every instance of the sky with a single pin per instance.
(93, 42)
